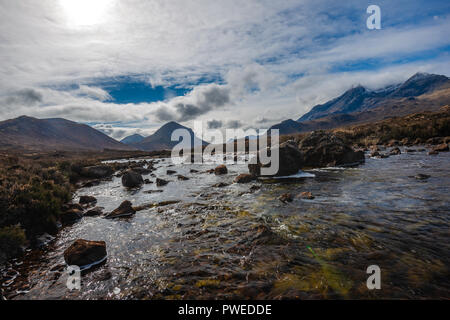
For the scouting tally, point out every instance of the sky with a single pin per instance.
(129, 66)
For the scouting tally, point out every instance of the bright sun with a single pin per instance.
(85, 12)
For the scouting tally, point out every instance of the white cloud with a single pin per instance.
(94, 93)
(273, 59)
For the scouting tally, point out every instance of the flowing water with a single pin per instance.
(239, 241)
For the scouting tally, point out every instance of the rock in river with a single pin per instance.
(97, 172)
(318, 149)
(306, 195)
(131, 179)
(441, 148)
(87, 200)
(244, 178)
(290, 159)
(161, 182)
(97, 211)
(286, 197)
(321, 149)
(124, 210)
(222, 169)
(85, 254)
(395, 151)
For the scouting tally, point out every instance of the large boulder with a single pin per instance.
(324, 149)
(290, 160)
(318, 149)
(124, 210)
(132, 179)
(97, 172)
(85, 253)
(222, 169)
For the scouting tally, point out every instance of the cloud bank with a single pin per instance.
(247, 63)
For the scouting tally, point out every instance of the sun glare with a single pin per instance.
(85, 12)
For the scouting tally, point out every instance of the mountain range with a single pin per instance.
(421, 92)
(161, 139)
(134, 138)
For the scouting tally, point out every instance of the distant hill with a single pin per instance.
(135, 138)
(360, 99)
(161, 139)
(287, 127)
(54, 134)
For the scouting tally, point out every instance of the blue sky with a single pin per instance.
(129, 66)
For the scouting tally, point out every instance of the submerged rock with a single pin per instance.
(395, 151)
(441, 148)
(131, 179)
(161, 182)
(97, 211)
(307, 195)
(244, 178)
(153, 191)
(222, 169)
(286, 197)
(220, 185)
(124, 210)
(84, 253)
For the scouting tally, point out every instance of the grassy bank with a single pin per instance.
(412, 129)
(33, 189)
